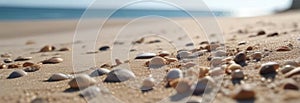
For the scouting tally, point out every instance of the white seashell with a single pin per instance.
(291, 62)
(16, 74)
(99, 72)
(218, 71)
(216, 61)
(268, 68)
(202, 84)
(183, 54)
(189, 65)
(145, 56)
(219, 53)
(81, 81)
(53, 60)
(157, 62)
(293, 72)
(58, 77)
(148, 84)
(183, 86)
(90, 92)
(119, 75)
(237, 74)
(174, 74)
(256, 56)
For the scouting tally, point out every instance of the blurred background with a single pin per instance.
(73, 9)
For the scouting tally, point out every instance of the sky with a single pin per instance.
(229, 5)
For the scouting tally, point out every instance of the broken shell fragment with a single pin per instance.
(174, 74)
(145, 56)
(58, 77)
(81, 81)
(148, 84)
(119, 75)
(16, 74)
(99, 72)
(53, 60)
(47, 48)
(157, 62)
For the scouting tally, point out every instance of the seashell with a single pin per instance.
(47, 48)
(104, 48)
(256, 56)
(283, 48)
(90, 92)
(233, 67)
(261, 32)
(245, 92)
(118, 61)
(105, 65)
(16, 74)
(13, 66)
(203, 71)
(164, 53)
(217, 72)
(58, 77)
(290, 84)
(272, 34)
(174, 74)
(26, 64)
(169, 60)
(82, 81)
(237, 74)
(194, 99)
(119, 75)
(2, 66)
(189, 65)
(216, 61)
(183, 86)
(53, 60)
(291, 62)
(268, 68)
(242, 43)
(145, 56)
(148, 84)
(240, 58)
(183, 54)
(7, 60)
(249, 48)
(157, 62)
(64, 49)
(293, 72)
(286, 69)
(219, 53)
(33, 68)
(6, 55)
(99, 72)
(20, 58)
(202, 84)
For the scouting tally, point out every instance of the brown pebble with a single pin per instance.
(261, 32)
(118, 62)
(26, 64)
(290, 85)
(47, 48)
(245, 92)
(64, 49)
(272, 34)
(249, 48)
(257, 56)
(283, 48)
(240, 58)
(269, 68)
(32, 68)
(13, 66)
(203, 71)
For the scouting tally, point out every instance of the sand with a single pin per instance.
(60, 33)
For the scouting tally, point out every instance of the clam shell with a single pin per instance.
(82, 81)
(183, 54)
(145, 56)
(202, 84)
(174, 74)
(16, 74)
(119, 75)
(286, 69)
(148, 84)
(7, 60)
(237, 74)
(33, 68)
(293, 72)
(20, 58)
(99, 72)
(58, 77)
(157, 62)
(47, 48)
(53, 60)
(268, 68)
(90, 92)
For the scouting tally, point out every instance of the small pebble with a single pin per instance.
(16, 74)
(174, 74)
(29, 42)
(249, 48)
(189, 65)
(169, 60)
(81, 81)
(245, 92)
(145, 56)
(189, 44)
(148, 84)
(26, 64)
(47, 48)
(118, 62)
(269, 68)
(99, 72)
(104, 48)
(2, 66)
(240, 58)
(21, 58)
(256, 56)
(272, 34)
(154, 41)
(7, 60)
(203, 71)
(219, 53)
(33, 68)
(204, 42)
(232, 67)
(293, 72)
(261, 32)
(119, 75)
(157, 62)
(242, 43)
(283, 48)
(237, 74)
(53, 60)
(286, 69)
(206, 83)
(64, 49)
(58, 77)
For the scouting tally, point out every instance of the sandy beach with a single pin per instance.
(26, 38)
